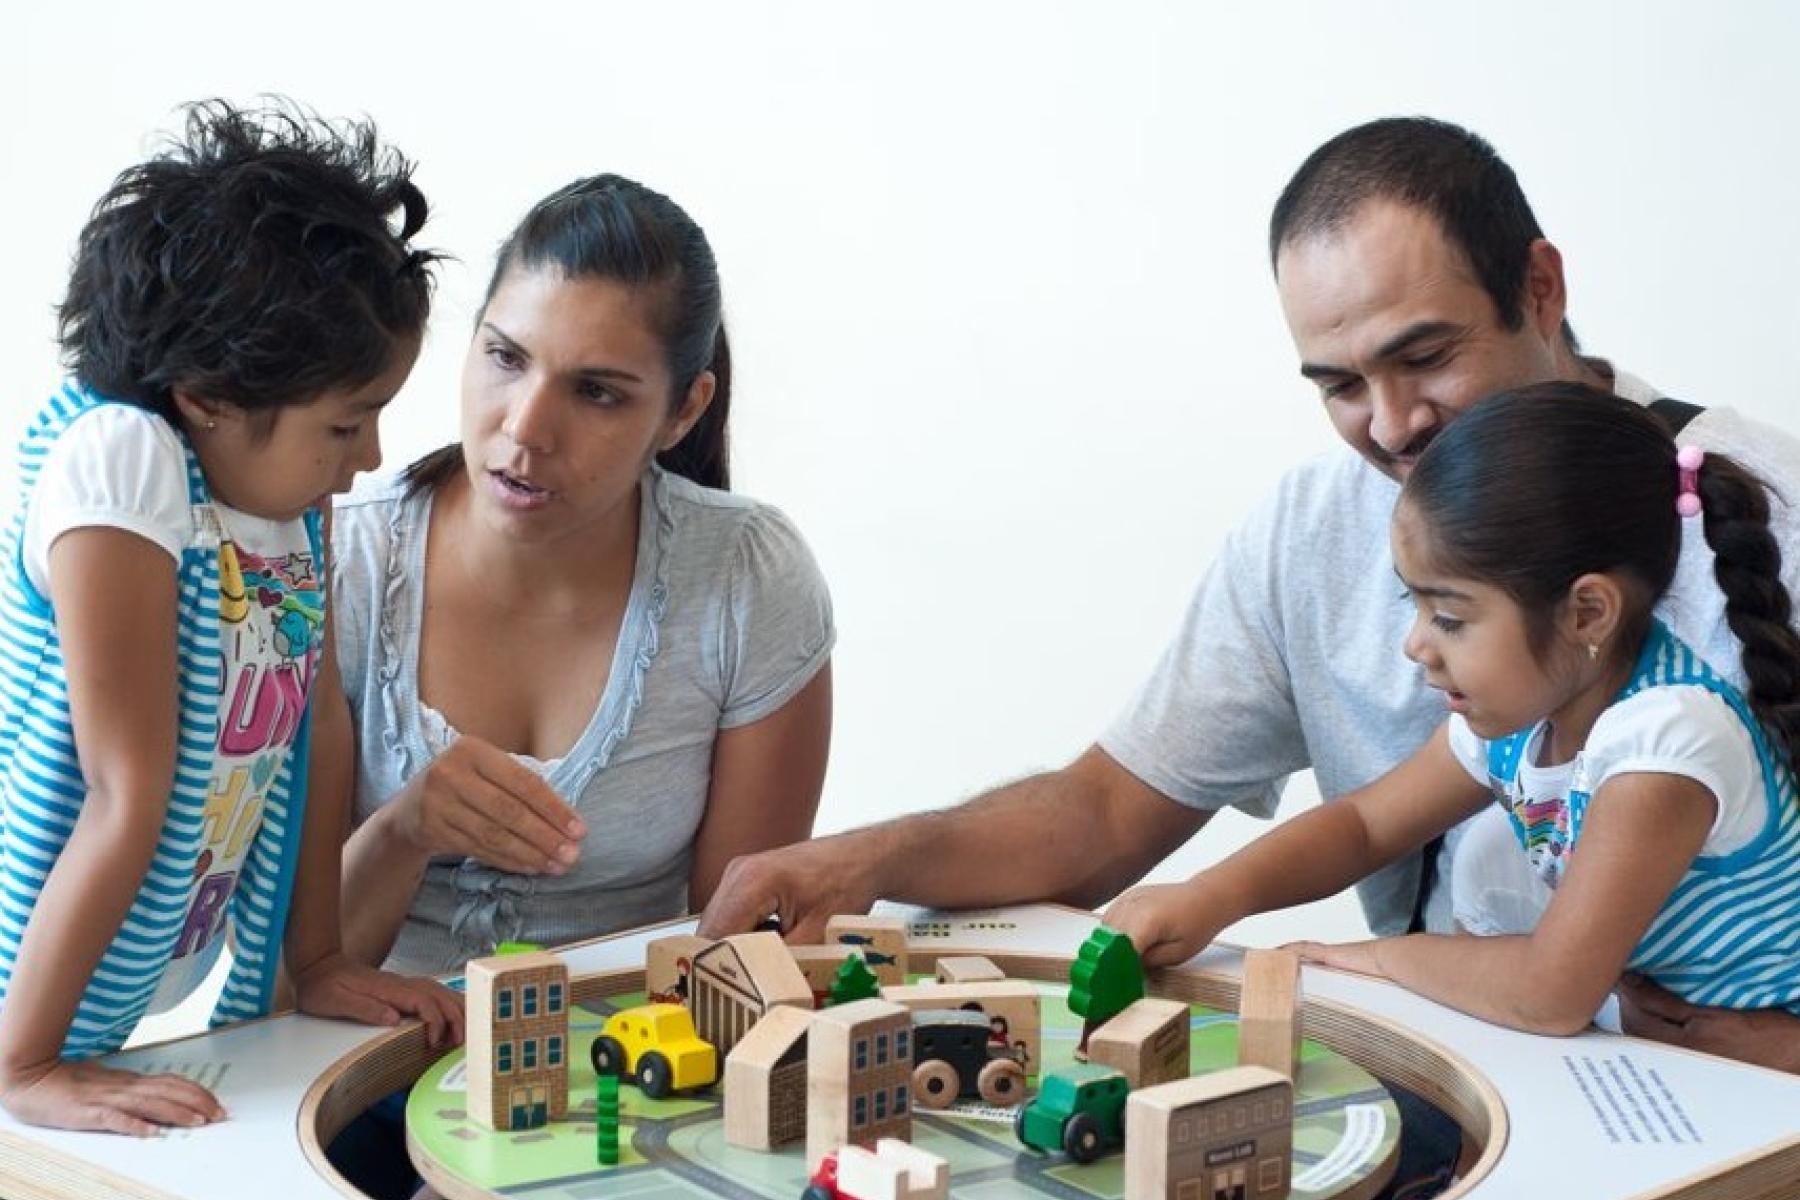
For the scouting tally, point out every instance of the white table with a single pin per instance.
(1595, 1116)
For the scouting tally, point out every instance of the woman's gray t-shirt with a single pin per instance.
(728, 619)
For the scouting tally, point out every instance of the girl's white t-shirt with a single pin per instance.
(124, 467)
(1675, 729)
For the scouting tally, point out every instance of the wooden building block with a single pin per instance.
(1150, 1042)
(1012, 1007)
(819, 965)
(668, 961)
(1269, 1011)
(968, 969)
(858, 1076)
(882, 941)
(765, 1082)
(895, 1170)
(736, 981)
(1227, 1133)
(517, 1040)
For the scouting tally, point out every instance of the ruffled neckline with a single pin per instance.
(488, 899)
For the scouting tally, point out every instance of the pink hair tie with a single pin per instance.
(1689, 458)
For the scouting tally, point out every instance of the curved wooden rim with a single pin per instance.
(1385, 1049)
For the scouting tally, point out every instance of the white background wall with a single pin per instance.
(1008, 347)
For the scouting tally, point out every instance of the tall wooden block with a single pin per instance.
(518, 1040)
(668, 964)
(858, 1076)
(738, 980)
(1227, 1133)
(882, 941)
(765, 1082)
(1269, 1012)
(1150, 1042)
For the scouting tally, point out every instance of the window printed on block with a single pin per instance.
(900, 1101)
(503, 1004)
(554, 1001)
(530, 1000)
(862, 1054)
(860, 1114)
(903, 1044)
(503, 1058)
(553, 1053)
(530, 1054)
(881, 1049)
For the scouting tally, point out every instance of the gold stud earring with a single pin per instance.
(211, 424)
(1593, 651)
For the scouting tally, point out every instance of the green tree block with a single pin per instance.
(853, 981)
(1105, 977)
(606, 1120)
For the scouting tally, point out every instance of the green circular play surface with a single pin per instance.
(1346, 1129)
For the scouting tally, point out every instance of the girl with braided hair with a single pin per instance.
(1653, 798)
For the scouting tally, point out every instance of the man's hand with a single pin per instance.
(337, 987)
(804, 885)
(86, 1095)
(1767, 1037)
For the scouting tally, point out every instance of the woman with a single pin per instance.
(582, 674)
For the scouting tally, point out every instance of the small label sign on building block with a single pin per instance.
(1150, 1042)
(1269, 1012)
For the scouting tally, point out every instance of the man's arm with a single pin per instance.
(1077, 835)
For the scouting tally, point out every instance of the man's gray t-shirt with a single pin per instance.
(727, 620)
(1290, 654)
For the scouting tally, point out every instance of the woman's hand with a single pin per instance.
(86, 1095)
(477, 801)
(1169, 923)
(337, 987)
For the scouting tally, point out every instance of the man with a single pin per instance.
(1415, 280)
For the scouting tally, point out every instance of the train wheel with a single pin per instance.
(1002, 1083)
(935, 1084)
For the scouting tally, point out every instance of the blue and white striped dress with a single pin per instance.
(42, 788)
(1728, 936)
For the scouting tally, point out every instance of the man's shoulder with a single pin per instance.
(1759, 445)
(1334, 491)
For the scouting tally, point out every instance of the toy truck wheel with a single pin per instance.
(654, 1075)
(1002, 1083)
(1081, 1138)
(608, 1056)
(935, 1084)
(1019, 1128)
